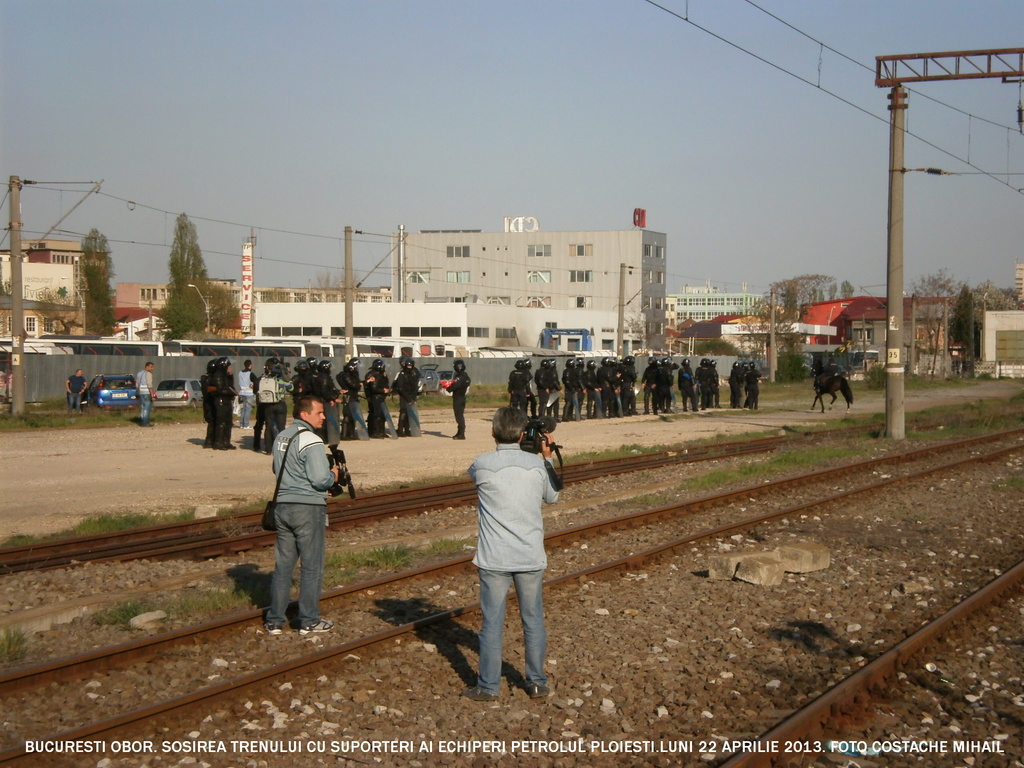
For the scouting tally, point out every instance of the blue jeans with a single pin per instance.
(74, 402)
(245, 408)
(494, 587)
(301, 533)
(145, 408)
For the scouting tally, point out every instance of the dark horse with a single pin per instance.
(831, 384)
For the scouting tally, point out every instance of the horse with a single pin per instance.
(831, 384)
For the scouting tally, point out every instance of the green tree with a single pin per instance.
(846, 290)
(184, 314)
(790, 366)
(224, 311)
(97, 271)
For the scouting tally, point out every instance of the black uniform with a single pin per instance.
(324, 387)
(458, 388)
(595, 409)
(209, 415)
(687, 386)
(736, 385)
(572, 381)
(751, 381)
(648, 381)
(627, 382)
(376, 385)
(548, 388)
(407, 385)
(519, 386)
(220, 385)
(350, 384)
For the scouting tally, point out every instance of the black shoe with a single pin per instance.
(537, 691)
(476, 693)
(459, 437)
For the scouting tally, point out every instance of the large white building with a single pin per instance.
(524, 266)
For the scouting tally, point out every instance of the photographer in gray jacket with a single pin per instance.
(301, 518)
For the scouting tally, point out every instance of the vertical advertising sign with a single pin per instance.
(246, 308)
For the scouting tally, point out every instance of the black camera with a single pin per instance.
(536, 434)
(344, 481)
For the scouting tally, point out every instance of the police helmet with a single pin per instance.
(652, 360)
(666, 361)
(211, 366)
(629, 360)
(592, 364)
(302, 366)
(686, 361)
(545, 363)
(408, 363)
(223, 363)
(459, 365)
(378, 365)
(312, 362)
(520, 365)
(352, 365)
(324, 366)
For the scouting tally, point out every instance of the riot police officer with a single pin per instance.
(608, 380)
(548, 388)
(687, 386)
(324, 387)
(458, 388)
(350, 383)
(209, 415)
(220, 385)
(648, 381)
(752, 386)
(572, 381)
(519, 386)
(595, 408)
(736, 384)
(627, 382)
(407, 385)
(376, 385)
(663, 381)
(715, 382)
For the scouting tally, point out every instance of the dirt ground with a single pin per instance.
(52, 479)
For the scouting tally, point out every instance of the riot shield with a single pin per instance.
(388, 423)
(413, 411)
(357, 418)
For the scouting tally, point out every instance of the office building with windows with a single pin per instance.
(526, 267)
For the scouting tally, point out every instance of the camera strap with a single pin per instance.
(557, 480)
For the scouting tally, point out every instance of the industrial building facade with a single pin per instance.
(529, 268)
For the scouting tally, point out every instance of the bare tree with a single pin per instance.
(933, 294)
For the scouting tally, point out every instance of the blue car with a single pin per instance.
(113, 390)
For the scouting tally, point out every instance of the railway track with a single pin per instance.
(62, 671)
(240, 532)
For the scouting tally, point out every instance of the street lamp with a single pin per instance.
(205, 304)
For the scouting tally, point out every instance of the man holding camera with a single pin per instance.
(301, 517)
(512, 484)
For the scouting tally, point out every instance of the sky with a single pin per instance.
(759, 151)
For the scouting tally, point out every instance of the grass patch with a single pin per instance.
(447, 547)
(104, 524)
(13, 644)
(1012, 484)
(120, 614)
(216, 602)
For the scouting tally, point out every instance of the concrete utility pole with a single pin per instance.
(17, 303)
(772, 355)
(622, 310)
(892, 72)
(350, 297)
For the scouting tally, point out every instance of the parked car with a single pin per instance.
(430, 382)
(179, 393)
(113, 390)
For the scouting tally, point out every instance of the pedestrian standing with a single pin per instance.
(512, 484)
(75, 386)
(147, 393)
(244, 381)
(300, 462)
(458, 388)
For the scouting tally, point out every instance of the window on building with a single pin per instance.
(581, 276)
(450, 332)
(430, 330)
(580, 249)
(477, 333)
(502, 300)
(49, 325)
(458, 251)
(539, 302)
(504, 333)
(30, 325)
(538, 276)
(458, 277)
(538, 251)
(417, 277)
(648, 250)
(584, 302)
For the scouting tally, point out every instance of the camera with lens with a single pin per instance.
(344, 481)
(536, 434)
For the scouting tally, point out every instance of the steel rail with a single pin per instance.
(74, 667)
(850, 694)
(213, 537)
(213, 693)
